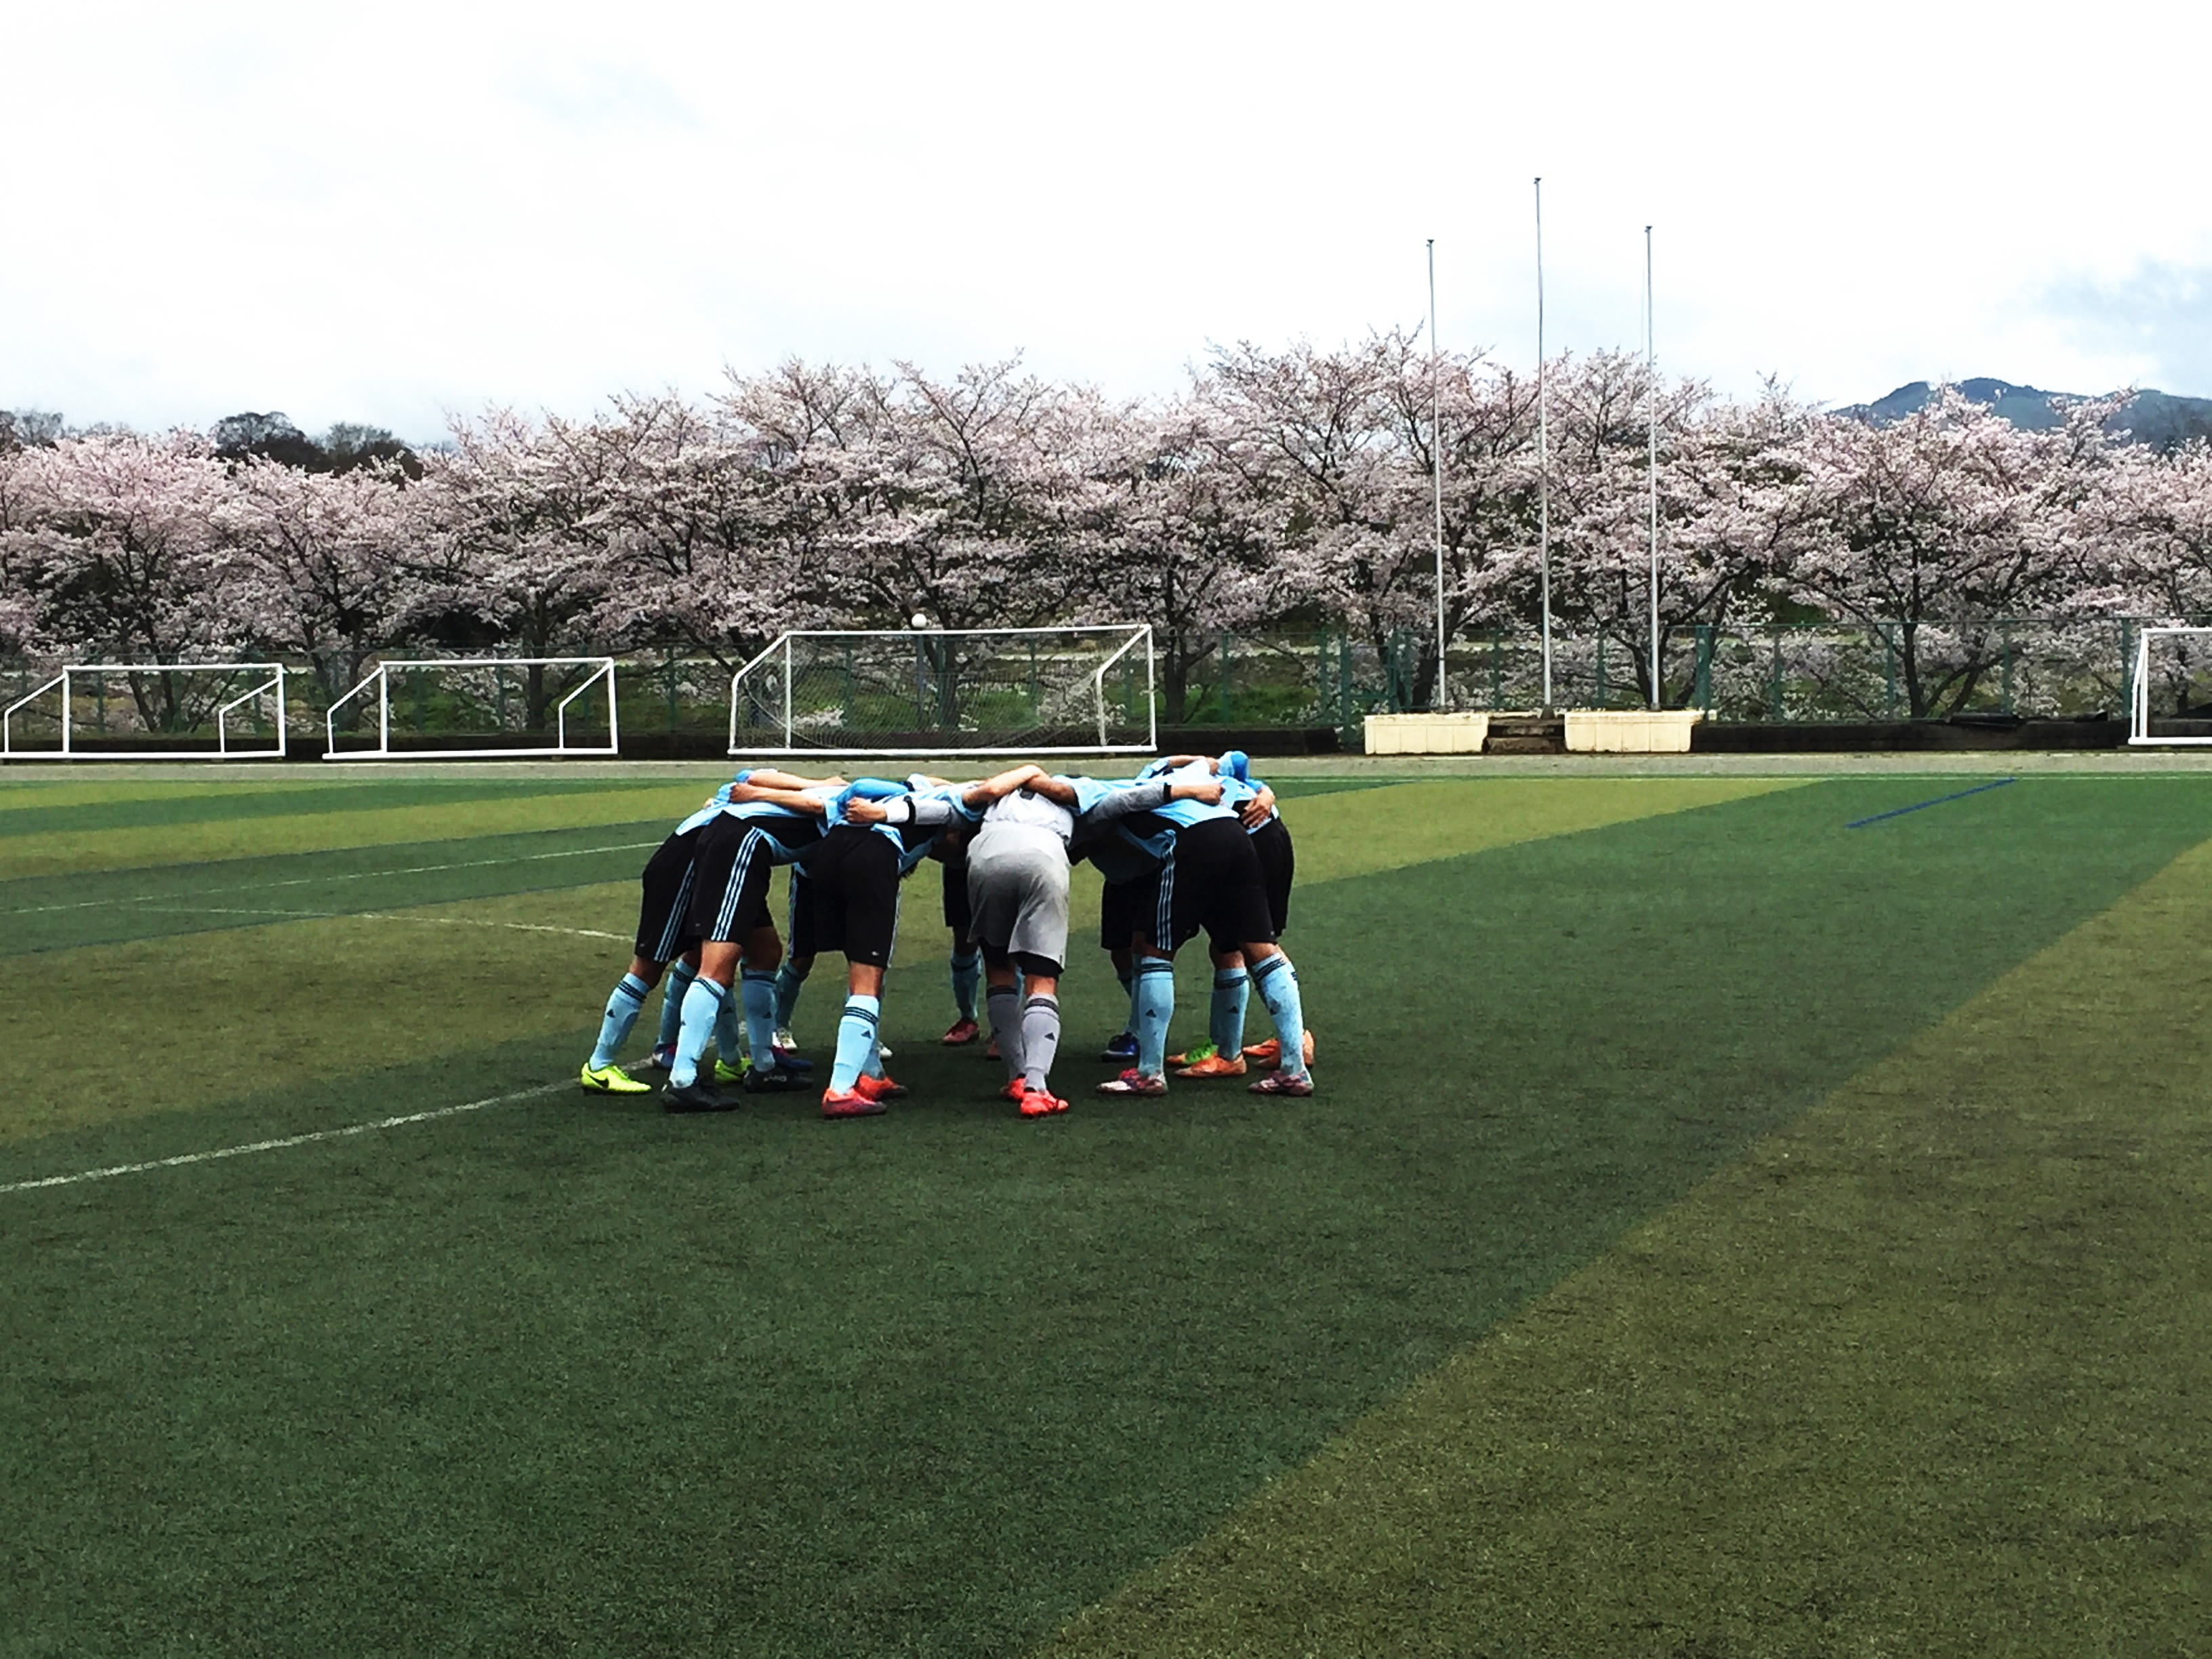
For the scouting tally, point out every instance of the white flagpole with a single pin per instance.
(1543, 454)
(1651, 372)
(1441, 698)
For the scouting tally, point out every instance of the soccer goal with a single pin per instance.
(1084, 690)
(477, 709)
(150, 711)
(2172, 693)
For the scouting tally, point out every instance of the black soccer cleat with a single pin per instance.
(770, 1080)
(699, 1095)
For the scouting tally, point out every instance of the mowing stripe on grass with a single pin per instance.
(29, 793)
(1366, 831)
(931, 1387)
(1921, 805)
(1930, 1371)
(174, 805)
(60, 851)
(387, 916)
(151, 900)
(285, 1141)
(293, 1002)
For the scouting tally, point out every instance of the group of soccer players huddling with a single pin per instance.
(1193, 844)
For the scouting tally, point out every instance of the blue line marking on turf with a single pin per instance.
(1900, 812)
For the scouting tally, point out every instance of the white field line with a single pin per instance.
(279, 1144)
(380, 915)
(355, 875)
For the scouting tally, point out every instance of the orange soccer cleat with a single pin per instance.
(1213, 1065)
(879, 1088)
(1269, 1052)
(1040, 1102)
(855, 1104)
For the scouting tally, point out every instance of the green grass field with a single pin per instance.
(1719, 1231)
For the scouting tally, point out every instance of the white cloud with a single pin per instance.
(383, 215)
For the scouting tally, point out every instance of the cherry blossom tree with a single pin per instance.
(510, 553)
(1185, 547)
(321, 561)
(115, 541)
(1936, 526)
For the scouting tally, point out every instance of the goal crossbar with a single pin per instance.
(269, 686)
(379, 681)
(782, 652)
(2139, 715)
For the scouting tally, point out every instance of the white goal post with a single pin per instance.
(1083, 689)
(469, 718)
(2139, 725)
(245, 703)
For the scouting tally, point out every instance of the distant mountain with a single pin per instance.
(2158, 418)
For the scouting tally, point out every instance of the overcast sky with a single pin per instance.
(390, 212)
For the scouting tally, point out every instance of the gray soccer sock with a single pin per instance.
(1004, 1005)
(1040, 1039)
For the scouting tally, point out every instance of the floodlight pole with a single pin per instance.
(1443, 697)
(1543, 454)
(1651, 373)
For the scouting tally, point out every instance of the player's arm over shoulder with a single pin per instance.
(980, 794)
(793, 800)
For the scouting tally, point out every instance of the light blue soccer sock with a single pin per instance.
(1040, 1039)
(622, 1009)
(1277, 981)
(967, 974)
(702, 1011)
(1155, 1008)
(757, 989)
(1005, 1003)
(856, 1041)
(790, 980)
(729, 1033)
(1232, 987)
(673, 987)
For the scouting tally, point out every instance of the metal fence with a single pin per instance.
(2028, 667)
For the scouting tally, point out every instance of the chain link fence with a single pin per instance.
(2030, 667)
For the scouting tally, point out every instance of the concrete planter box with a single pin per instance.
(1631, 730)
(1426, 734)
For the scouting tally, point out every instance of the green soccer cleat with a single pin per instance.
(725, 1073)
(613, 1080)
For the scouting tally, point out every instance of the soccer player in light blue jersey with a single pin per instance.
(1208, 877)
(874, 842)
(665, 942)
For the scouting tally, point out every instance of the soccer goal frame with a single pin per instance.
(2139, 733)
(269, 686)
(379, 682)
(1133, 637)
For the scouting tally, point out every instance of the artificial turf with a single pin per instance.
(567, 1375)
(1929, 1371)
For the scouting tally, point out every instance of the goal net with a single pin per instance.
(476, 709)
(150, 711)
(2172, 693)
(935, 691)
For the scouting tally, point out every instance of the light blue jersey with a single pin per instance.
(934, 808)
(774, 818)
(713, 809)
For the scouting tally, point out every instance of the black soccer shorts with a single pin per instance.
(1210, 882)
(1117, 914)
(851, 894)
(959, 915)
(664, 911)
(730, 871)
(1270, 844)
